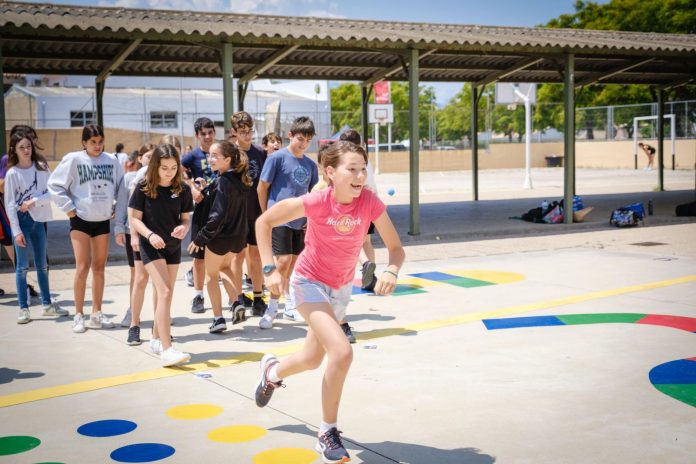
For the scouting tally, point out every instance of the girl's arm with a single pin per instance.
(121, 196)
(218, 216)
(280, 213)
(387, 281)
(59, 185)
(136, 220)
(181, 230)
(11, 185)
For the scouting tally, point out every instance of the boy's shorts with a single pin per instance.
(287, 241)
(304, 290)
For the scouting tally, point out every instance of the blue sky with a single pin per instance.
(482, 12)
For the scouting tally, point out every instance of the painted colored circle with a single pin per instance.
(237, 433)
(17, 444)
(142, 452)
(107, 428)
(194, 411)
(285, 456)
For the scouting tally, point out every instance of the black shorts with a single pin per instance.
(148, 253)
(223, 246)
(93, 229)
(251, 235)
(200, 254)
(5, 224)
(132, 256)
(287, 241)
(371, 229)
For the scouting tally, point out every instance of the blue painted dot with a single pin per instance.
(142, 452)
(107, 428)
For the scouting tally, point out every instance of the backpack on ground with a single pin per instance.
(627, 216)
(686, 209)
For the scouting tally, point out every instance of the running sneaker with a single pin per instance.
(218, 325)
(134, 336)
(348, 330)
(24, 316)
(266, 321)
(292, 315)
(172, 357)
(198, 304)
(125, 322)
(371, 286)
(265, 388)
(78, 323)
(155, 346)
(238, 313)
(99, 321)
(368, 272)
(52, 309)
(331, 448)
(258, 308)
(248, 302)
(188, 277)
(32, 291)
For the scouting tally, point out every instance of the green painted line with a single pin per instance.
(466, 282)
(624, 318)
(686, 393)
(402, 290)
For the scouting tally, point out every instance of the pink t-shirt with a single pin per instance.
(335, 233)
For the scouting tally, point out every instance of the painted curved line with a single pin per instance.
(676, 379)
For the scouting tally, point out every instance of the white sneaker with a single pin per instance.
(99, 321)
(78, 323)
(292, 315)
(24, 316)
(53, 309)
(155, 346)
(266, 321)
(126, 321)
(172, 357)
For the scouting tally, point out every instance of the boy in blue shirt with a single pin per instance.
(287, 174)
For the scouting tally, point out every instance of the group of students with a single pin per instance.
(238, 201)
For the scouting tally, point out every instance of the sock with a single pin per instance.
(258, 295)
(325, 427)
(273, 305)
(273, 374)
(198, 293)
(258, 298)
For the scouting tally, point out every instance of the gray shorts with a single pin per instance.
(304, 290)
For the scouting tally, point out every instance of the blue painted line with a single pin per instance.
(682, 371)
(517, 322)
(436, 276)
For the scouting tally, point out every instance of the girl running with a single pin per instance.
(224, 233)
(28, 205)
(84, 186)
(159, 211)
(321, 284)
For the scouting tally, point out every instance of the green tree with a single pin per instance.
(345, 106)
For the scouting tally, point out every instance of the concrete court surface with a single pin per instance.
(613, 325)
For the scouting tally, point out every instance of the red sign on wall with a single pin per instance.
(381, 89)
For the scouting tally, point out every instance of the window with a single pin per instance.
(163, 119)
(82, 118)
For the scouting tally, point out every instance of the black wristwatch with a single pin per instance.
(268, 269)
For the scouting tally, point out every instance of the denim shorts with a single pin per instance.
(304, 290)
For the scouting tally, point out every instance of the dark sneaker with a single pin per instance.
(348, 330)
(368, 273)
(238, 313)
(248, 302)
(198, 304)
(134, 336)
(32, 291)
(259, 307)
(218, 325)
(331, 447)
(371, 287)
(265, 388)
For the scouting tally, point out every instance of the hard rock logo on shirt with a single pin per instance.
(344, 225)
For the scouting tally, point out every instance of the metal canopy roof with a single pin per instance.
(60, 39)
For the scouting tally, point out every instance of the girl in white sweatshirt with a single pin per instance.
(85, 186)
(28, 206)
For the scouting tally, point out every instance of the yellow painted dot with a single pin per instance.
(494, 277)
(194, 411)
(286, 456)
(237, 433)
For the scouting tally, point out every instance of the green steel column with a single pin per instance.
(100, 103)
(227, 84)
(364, 98)
(414, 226)
(661, 138)
(240, 97)
(3, 141)
(569, 137)
(474, 140)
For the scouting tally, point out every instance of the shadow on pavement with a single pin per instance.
(8, 375)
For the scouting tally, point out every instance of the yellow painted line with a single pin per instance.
(107, 382)
(494, 277)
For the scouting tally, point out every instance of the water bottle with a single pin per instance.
(544, 206)
(650, 208)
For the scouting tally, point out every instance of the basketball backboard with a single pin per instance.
(505, 92)
(380, 114)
